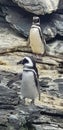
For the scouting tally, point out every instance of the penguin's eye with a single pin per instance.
(25, 61)
(37, 20)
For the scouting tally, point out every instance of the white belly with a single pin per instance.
(28, 87)
(36, 42)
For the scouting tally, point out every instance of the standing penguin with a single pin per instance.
(29, 85)
(36, 38)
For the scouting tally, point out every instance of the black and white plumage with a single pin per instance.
(30, 85)
(36, 39)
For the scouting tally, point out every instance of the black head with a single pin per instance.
(36, 20)
(29, 62)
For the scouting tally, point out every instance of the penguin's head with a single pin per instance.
(27, 62)
(36, 20)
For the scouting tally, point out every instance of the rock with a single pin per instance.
(53, 26)
(61, 89)
(11, 42)
(17, 115)
(8, 98)
(14, 121)
(53, 87)
(58, 18)
(47, 127)
(16, 20)
(56, 47)
(59, 80)
(2, 17)
(20, 21)
(60, 6)
(6, 2)
(6, 35)
(39, 7)
(48, 112)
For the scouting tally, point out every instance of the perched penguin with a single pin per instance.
(36, 39)
(30, 85)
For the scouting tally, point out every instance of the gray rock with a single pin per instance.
(59, 80)
(58, 18)
(39, 6)
(8, 98)
(61, 88)
(15, 116)
(15, 17)
(47, 127)
(6, 2)
(21, 21)
(56, 47)
(48, 123)
(60, 5)
(14, 121)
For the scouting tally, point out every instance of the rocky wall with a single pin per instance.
(15, 23)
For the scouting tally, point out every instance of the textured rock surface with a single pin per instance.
(8, 46)
(6, 2)
(21, 21)
(39, 6)
(46, 114)
(8, 98)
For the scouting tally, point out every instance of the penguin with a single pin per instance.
(29, 84)
(36, 39)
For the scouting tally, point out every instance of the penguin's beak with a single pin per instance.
(20, 62)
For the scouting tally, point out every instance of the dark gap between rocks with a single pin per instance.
(57, 37)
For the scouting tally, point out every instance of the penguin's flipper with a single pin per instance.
(37, 84)
(38, 89)
(28, 42)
